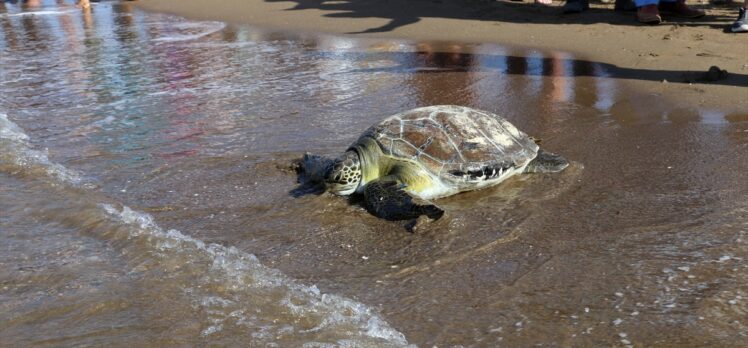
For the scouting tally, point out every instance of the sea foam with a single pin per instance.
(243, 273)
(205, 29)
(38, 13)
(15, 148)
(233, 288)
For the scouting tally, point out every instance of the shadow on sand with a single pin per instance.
(401, 13)
(435, 61)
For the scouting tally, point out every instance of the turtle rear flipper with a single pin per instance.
(386, 199)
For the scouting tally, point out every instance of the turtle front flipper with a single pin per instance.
(386, 199)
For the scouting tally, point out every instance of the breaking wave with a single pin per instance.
(252, 286)
(236, 293)
(15, 149)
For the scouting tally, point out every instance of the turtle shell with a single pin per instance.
(454, 141)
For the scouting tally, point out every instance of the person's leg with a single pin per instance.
(741, 25)
(679, 9)
(576, 6)
(625, 6)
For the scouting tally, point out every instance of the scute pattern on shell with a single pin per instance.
(449, 139)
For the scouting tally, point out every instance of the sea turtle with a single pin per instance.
(426, 153)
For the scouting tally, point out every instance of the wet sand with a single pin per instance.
(145, 185)
(667, 60)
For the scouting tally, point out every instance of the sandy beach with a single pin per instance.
(149, 194)
(670, 59)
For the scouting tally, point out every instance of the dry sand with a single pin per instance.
(678, 51)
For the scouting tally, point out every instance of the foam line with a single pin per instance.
(15, 148)
(216, 27)
(38, 13)
(244, 271)
(250, 284)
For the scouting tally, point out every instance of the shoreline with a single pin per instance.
(670, 59)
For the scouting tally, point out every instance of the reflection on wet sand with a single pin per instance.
(643, 238)
(457, 68)
(471, 67)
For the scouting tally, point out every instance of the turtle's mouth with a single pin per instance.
(341, 190)
(340, 183)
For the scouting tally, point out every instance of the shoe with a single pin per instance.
(576, 6)
(648, 14)
(680, 9)
(740, 25)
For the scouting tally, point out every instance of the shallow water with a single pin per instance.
(145, 179)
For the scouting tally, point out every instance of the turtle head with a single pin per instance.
(343, 177)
